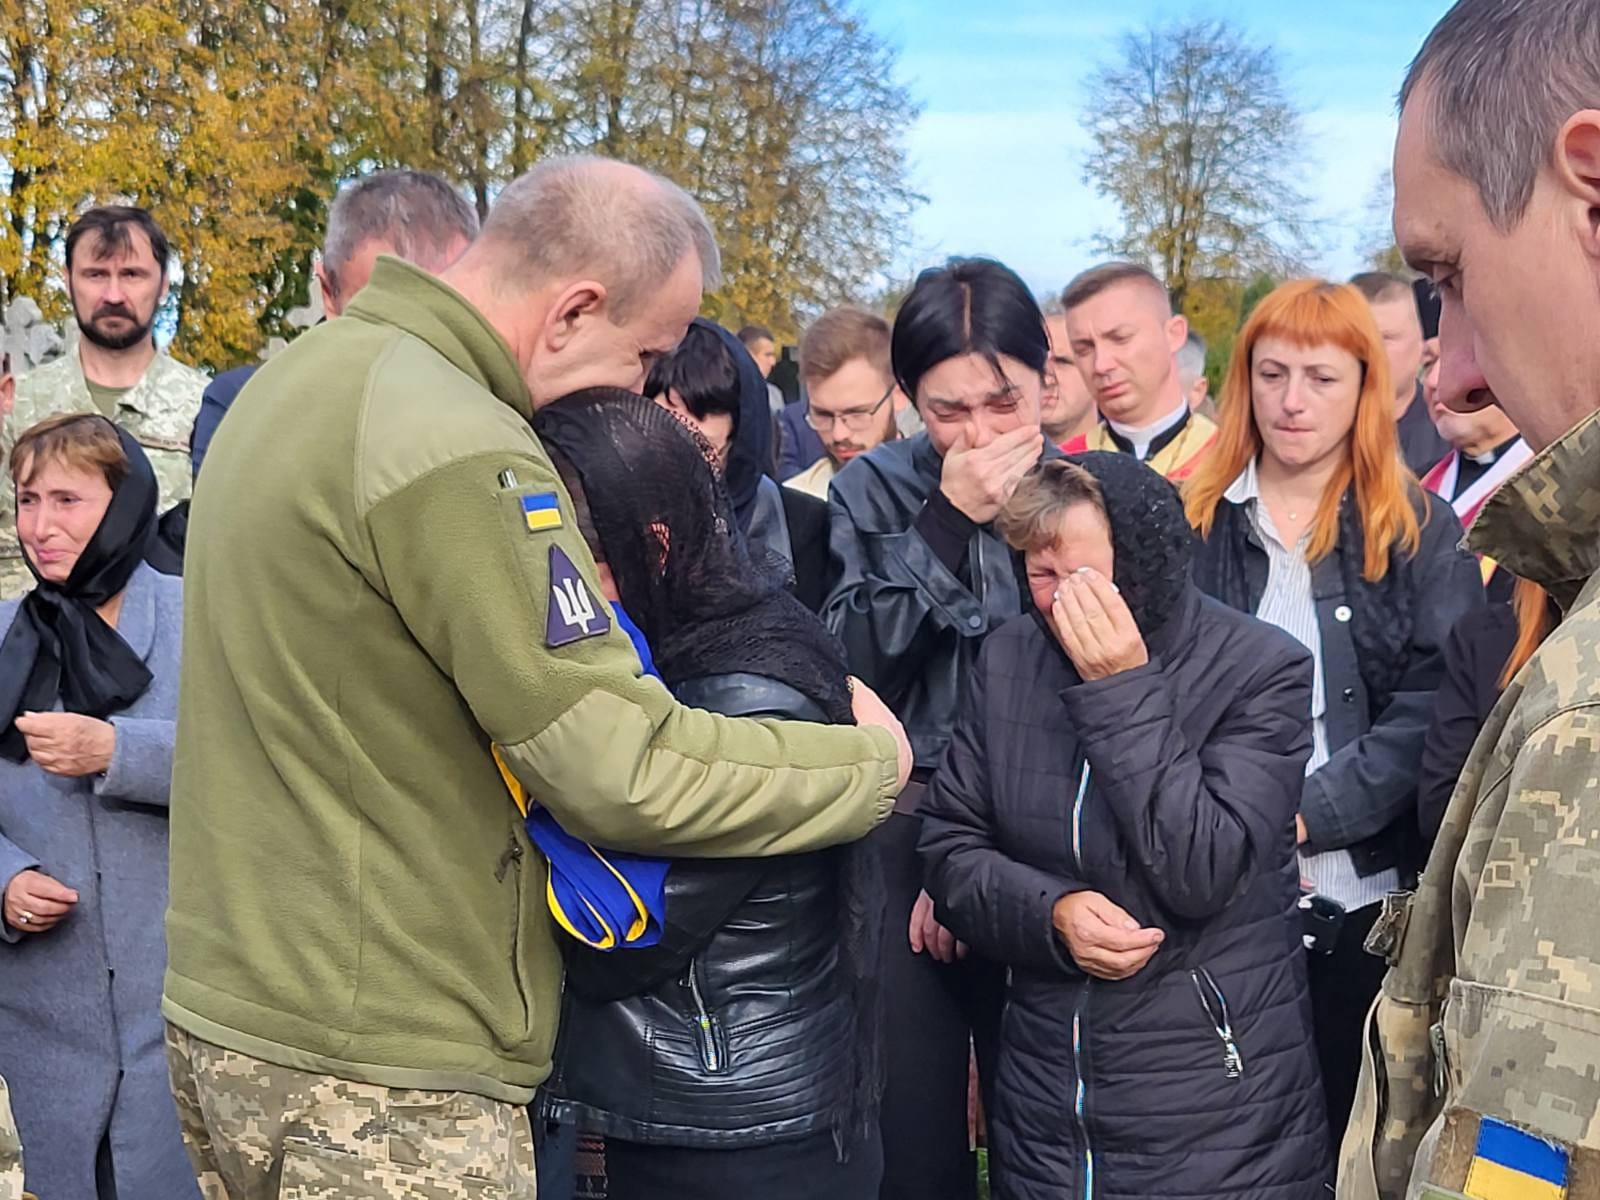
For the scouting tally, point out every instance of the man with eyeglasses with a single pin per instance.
(852, 397)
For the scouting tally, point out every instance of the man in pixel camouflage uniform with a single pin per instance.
(10, 1149)
(1481, 1075)
(117, 279)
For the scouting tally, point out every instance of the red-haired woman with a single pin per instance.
(1311, 522)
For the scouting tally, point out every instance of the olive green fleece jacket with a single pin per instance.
(366, 612)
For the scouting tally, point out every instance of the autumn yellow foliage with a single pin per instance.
(235, 121)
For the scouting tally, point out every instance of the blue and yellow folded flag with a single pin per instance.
(1510, 1164)
(604, 898)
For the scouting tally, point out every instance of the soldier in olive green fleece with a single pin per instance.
(384, 578)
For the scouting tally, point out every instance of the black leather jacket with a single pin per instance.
(735, 1030)
(911, 625)
(1363, 798)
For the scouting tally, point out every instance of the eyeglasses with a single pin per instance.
(857, 420)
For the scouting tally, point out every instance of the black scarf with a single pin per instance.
(750, 451)
(706, 608)
(706, 603)
(58, 648)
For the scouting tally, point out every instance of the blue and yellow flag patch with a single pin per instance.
(1509, 1164)
(541, 511)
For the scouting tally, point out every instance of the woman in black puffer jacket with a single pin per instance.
(1115, 822)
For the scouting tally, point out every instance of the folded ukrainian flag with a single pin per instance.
(604, 898)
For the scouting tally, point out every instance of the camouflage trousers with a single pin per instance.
(10, 1150)
(257, 1131)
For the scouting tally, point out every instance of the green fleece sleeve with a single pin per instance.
(557, 686)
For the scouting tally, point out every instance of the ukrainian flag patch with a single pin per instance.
(541, 511)
(1509, 1164)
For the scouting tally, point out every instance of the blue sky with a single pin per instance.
(999, 150)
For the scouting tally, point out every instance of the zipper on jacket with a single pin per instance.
(1077, 817)
(705, 1024)
(980, 585)
(1215, 1005)
(512, 854)
(1440, 1062)
(1081, 1095)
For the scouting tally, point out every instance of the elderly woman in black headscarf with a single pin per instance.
(1115, 822)
(738, 1056)
(88, 705)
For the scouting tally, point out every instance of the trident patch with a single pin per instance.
(573, 613)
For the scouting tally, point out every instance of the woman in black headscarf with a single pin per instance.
(712, 384)
(1115, 822)
(739, 1055)
(88, 705)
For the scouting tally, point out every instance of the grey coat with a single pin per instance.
(80, 1020)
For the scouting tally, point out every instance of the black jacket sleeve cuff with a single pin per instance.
(946, 529)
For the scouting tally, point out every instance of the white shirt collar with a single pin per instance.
(1141, 438)
(1246, 487)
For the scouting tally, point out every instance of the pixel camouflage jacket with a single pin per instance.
(1490, 1012)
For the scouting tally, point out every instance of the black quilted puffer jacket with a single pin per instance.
(1171, 789)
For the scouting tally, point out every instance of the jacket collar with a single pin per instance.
(162, 370)
(409, 298)
(1172, 425)
(136, 623)
(1544, 522)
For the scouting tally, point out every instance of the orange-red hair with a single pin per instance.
(1531, 604)
(1307, 313)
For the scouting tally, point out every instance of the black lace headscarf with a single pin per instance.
(705, 605)
(1151, 540)
(667, 529)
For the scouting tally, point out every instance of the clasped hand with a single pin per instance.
(1103, 939)
(68, 743)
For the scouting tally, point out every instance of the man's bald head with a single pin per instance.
(589, 217)
(591, 271)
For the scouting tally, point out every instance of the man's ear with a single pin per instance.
(572, 307)
(1577, 168)
(330, 296)
(1177, 332)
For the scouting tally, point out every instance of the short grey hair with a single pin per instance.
(1504, 76)
(1191, 359)
(583, 215)
(420, 216)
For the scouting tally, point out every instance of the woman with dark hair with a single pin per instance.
(89, 664)
(923, 580)
(738, 1055)
(1311, 521)
(711, 384)
(1114, 822)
